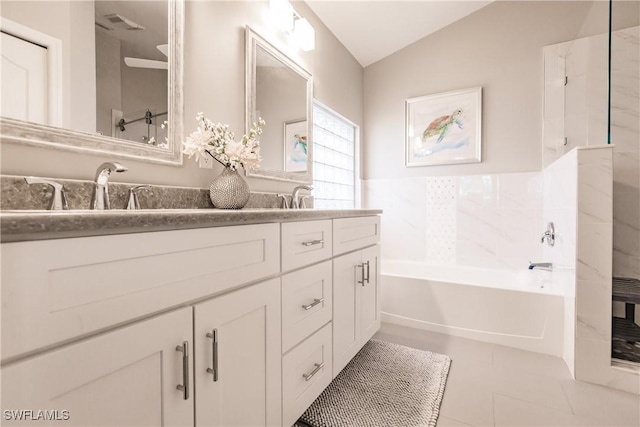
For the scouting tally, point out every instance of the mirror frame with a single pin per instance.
(253, 40)
(46, 136)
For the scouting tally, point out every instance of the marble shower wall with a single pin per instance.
(577, 111)
(594, 267)
(560, 203)
(490, 221)
(625, 135)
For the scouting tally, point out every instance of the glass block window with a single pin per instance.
(334, 160)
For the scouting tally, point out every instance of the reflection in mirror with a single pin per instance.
(279, 91)
(109, 76)
(131, 69)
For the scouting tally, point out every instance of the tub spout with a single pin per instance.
(547, 266)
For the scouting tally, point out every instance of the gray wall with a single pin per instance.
(214, 84)
(499, 48)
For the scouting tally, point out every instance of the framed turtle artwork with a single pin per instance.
(295, 146)
(444, 128)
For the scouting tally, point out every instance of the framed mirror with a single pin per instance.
(280, 91)
(110, 83)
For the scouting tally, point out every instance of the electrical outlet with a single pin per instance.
(205, 162)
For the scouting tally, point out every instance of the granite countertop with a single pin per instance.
(16, 226)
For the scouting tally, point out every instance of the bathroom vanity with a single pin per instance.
(244, 318)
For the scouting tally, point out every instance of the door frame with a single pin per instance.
(54, 64)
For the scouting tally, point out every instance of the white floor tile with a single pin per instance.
(468, 403)
(604, 405)
(514, 412)
(490, 384)
(448, 422)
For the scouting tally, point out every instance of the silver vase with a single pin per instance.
(229, 190)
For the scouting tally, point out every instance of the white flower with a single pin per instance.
(218, 141)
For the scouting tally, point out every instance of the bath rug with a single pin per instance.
(385, 384)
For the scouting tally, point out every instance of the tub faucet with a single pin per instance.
(101, 194)
(295, 200)
(547, 266)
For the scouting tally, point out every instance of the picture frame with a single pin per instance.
(444, 128)
(295, 145)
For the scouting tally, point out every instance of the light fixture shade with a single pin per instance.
(305, 34)
(282, 14)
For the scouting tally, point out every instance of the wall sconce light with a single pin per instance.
(282, 14)
(291, 22)
(304, 34)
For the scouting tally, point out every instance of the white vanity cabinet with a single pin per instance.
(356, 303)
(224, 326)
(126, 377)
(237, 363)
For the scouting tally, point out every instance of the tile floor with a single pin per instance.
(493, 385)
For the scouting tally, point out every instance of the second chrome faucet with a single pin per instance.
(100, 199)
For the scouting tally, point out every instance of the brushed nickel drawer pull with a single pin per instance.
(313, 242)
(361, 282)
(310, 375)
(214, 354)
(368, 274)
(184, 387)
(315, 302)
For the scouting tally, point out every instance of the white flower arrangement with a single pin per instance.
(217, 141)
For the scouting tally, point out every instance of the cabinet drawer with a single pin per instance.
(56, 290)
(306, 302)
(305, 242)
(355, 233)
(306, 372)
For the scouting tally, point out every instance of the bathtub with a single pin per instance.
(520, 309)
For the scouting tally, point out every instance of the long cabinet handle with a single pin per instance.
(311, 374)
(313, 242)
(361, 282)
(315, 302)
(365, 277)
(184, 387)
(214, 354)
(368, 273)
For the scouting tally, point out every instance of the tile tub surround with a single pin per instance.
(16, 194)
(492, 221)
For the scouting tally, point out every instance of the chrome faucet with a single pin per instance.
(546, 266)
(59, 200)
(134, 202)
(101, 194)
(295, 201)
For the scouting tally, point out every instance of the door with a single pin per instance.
(24, 80)
(346, 308)
(370, 300)
(238, 358)
(128, 377)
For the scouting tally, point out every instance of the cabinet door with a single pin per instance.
(127, 377)
(238, 369)
(346, 309)
(370, 299)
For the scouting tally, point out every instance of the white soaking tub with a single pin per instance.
(514, 308)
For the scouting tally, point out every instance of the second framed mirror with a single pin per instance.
(280, 91)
